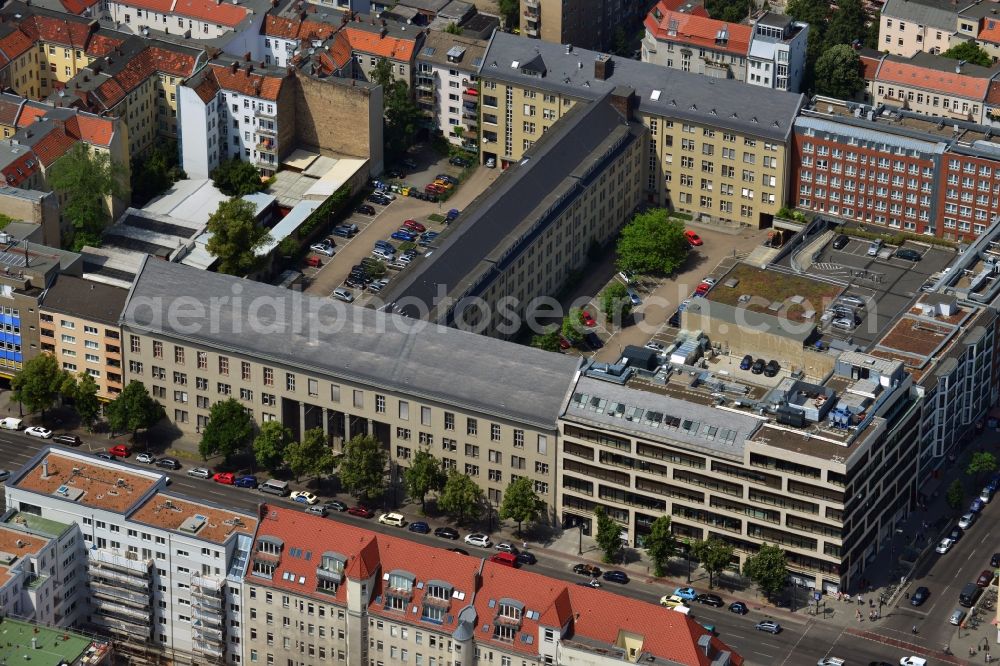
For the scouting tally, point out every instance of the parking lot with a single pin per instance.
(350, 251)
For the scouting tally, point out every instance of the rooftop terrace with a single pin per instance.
(54, 646)
(193, 519)
(791, 297)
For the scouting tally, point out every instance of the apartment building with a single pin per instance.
(369, 43)
(348, 371)
(586, 24)
(78, 324)
(280, 36)
(446, 88)
(234, 110)
(897, 169)
(693, 43)
(577, 186)
(907, 27)
(163, 572)
(349, 596)
(824, 470)
(933, 85)
(190, 19)
(718, 152)
(138, 83)
(777, 55)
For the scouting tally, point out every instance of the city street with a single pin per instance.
(804, 638)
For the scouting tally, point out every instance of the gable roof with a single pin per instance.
(937, 74)
(210, 11)
(246, 82)
(53, 145)
(698, 31)
(296, 28)
(939, 14)
(375, 43)
(138, 68)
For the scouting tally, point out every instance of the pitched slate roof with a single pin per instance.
(698, 31)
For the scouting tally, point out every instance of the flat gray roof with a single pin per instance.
(660, 90)
(323, 336)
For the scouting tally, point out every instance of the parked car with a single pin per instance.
(655, 346)
(323, 248)
(506, 559)
(843, 323)
(443, 184)
(477, 539)
(747, 362)
(199, 473)
(524, 557)
(4, 474)
(145, 458)
(490, 163)
(394, 519)
(693, 238)
(409, 163)
(460, 551)
(772, 368)
(382, 254)
(840, 242)
(433, 188)
(168, 463)
(343, 231)
(446, 178)
(226, 478)
(710, 600)
(588, 319)
(119, 451)
(977, 506)
(616, 576)
(671, 601)
(587, 570)
(415, 226)
(405, 236)
(702, 289)
(104, 455)
(67, 439)
(361, 511)
(995, 560)
(446, 533)
(986, 494)
(874, 247)
(634, 297)
(739, 608)
(945, 545)
(908, 254)
(245, 481)
(459, 162)
(770, 626)
(318, 510)
(342, 294)
(686, 593)
(985, 578)
(365, 209)
(452, 215)
(419, 526)
(913, 661)
(505, 547)
(757, 367)
(304, 496)
(38, 431)
(919, 596)
(956, 533)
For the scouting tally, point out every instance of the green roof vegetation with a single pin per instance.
(51, 528)
(799, 294)
(54, 646)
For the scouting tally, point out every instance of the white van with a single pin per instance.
(274, 487)
(12, 423)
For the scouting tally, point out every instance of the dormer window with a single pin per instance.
(330, 572)
(509, 612)
(399, 589)
(436, 601)
(269, 545)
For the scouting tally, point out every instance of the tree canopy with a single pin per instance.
(660, 545)
(838, 72)
(714, 555)
(520, 503)
(971, 53)
(652, 243)
(572, 326)
(731, 11)
(615, 302)
(154, 171)
(234, 178)
(86, 178)
(549, 340)
(608, 536)
(510, 12)
(236, 236)
(982, 462)
(423, 475)
(133, 409)
(461, 497)
(402, 115)
(310, 457)
(228, 431)
(39, 383)
(270, 444)
(85, 400)
(955, 494)
(844, 26)
(362, 466)
(768, 569)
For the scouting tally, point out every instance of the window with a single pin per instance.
(404, 410)
(157, 349)
(494, 432)
(268, 377)
(289, 381)
(179, 355)
(449, 421)
(224, 366)
(471, 427)
(202, 360)
(245, 371)
(380, 404)
(425, 416)
(518, 438)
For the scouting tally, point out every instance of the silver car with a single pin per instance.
(843, 323)
(853, 301)
(956, 617)
(199, 472)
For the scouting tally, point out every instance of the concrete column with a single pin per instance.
(302, 420)
(326, 423)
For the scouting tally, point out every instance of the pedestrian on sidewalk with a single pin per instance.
(859, 615)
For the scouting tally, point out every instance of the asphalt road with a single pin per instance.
(803, 640)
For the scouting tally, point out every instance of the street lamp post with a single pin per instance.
(687, 556)
(579, 547)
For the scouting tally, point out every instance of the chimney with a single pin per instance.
(45, 469)
(623, 100)
(246, 56)
(34, 643)
(234, 67)
(383, 32)
(603, 67)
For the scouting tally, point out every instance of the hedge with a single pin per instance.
(897, 238)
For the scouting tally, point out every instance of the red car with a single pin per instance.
(431, 188)
(227, 478)
(361, 511)
(692, 237)
(119, 451)
(416, 226)
(702, 289)
(564, 343)
(588, 320)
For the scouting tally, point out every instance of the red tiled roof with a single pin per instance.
(143, 65)
(993, 94)
(390, 47)
(295, 28)
(53, 145)
(869, 67)
(29, 114)
(950, 83)
(338, 54)
(8, 111)
(91, 129)
(71, 31)
(698, 31)
(13, 44)
(990, 31)
(77, 6)
(247, 83)
(100, 45)
(10, 172)
(210, 11)
(207, 88)
(161, 6)
(678, 6)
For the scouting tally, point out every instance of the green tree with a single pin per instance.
(615, 302)
(236, 237)
(461, 497)
(510, 12)
(85, 400)
(133, 410)
(520, 503)
(362, 466)
(423, 476)
(310, 457)
(228, 431)
(652, 243)
(402, 115)
(660, 545)
(955, 494)
(609, 534)
(714, 555)
(871, 34)
(838, 72)
(816, 14)
(453, 29)
(39, 383)
(234, 178)
(154, 171)
(731, 11)
(86, 179)
(270, 444)
(549, 341)
(768, 569)
(971, 53)
(847, 25)
(981, 463)
(572, 326)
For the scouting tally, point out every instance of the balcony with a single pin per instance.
(207, 648)
(129, 562)
(124, 613)
(269, 131)
(121, 627)
(261, 113)
(208, 616)
(532, 4)
(203, 632)
(103, 590)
